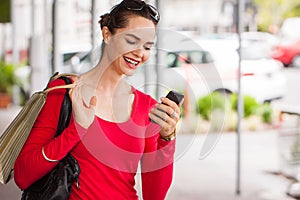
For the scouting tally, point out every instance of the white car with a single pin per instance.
(212, 65)
(261, 75)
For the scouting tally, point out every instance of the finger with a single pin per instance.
(172, 104)
(168, 102)
(84, 104)
(76, 94)
(157, 120)
(168, 109)
(76, 78)
(77, 98)
(175, 116)
(164, 117)
(164, 108)
(71, 94)
(181, 102)
(93, 102)
(160, 113)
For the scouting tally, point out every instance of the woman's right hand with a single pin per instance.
(83, 114)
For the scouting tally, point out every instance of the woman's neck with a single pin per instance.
(104, 79)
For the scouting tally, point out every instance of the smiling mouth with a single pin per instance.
(131, 61)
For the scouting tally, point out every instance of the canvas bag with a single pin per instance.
(14, 137)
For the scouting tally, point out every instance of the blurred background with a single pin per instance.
(211, 51)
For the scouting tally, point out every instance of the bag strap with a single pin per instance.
(65, 109)
(66, 106)
(56, 75)
(68, 85)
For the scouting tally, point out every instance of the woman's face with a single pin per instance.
(130, 47)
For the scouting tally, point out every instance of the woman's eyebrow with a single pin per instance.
(137, 38)
(134, 36)
(151, 43)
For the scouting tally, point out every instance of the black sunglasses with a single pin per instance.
(140, 5)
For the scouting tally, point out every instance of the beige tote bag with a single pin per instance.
(14, 137)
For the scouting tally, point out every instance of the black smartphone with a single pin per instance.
(175, 96)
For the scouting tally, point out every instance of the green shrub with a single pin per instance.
(7, 78)
(208, 103)
(266, 113)
(250, 104)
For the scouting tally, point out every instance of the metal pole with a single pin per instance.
(240, 97)
(15, 50)
(93, 27)
(56, 57)
(47, 34)
(33, 17)
(160, 55)
(53, 63)
(157, 56)
(39, 47)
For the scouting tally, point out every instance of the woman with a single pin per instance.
(111, 132)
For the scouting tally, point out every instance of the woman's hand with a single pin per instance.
(166, 114)
(83, 114)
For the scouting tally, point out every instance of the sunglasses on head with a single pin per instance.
(140, 5)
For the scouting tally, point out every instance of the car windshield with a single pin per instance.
(176, 59)
(255, 50)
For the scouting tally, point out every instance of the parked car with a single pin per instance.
(188, 67)
(213, 66)
(261, 42)
(201, 66)
(288, 50)
(288, 53)
(261, 75)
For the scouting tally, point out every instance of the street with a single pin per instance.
(214, 177)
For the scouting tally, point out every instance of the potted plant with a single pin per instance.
(7, 80)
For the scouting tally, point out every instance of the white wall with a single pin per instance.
(203, 14)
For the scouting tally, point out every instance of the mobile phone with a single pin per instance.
(175, 96)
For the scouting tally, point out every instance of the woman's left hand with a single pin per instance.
(166, 114)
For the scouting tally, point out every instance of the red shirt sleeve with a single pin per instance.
(156, 164)
(30, 165)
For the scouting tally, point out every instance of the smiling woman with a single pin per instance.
(130, 46)
(110, 132)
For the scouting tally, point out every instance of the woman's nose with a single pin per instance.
(138, 52)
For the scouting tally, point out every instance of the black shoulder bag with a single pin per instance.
(57, 184)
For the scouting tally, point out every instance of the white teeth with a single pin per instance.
(131, 61)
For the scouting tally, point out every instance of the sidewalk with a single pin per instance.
(214, 176)
(7, 115)
(10, 190)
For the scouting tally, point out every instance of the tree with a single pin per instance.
(271, 13)
(5, 11)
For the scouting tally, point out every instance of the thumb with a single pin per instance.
(93, 102)
(71, 94)
(181, 102)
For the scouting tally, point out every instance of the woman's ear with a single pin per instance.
(106, 34)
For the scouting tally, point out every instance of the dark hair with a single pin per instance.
(118, 16)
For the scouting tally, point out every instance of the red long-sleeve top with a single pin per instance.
(108, 153)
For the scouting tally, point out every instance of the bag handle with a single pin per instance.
(69, 86)
(56, 76)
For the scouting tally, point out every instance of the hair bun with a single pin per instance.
(104, 20)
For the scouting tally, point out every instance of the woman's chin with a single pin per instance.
(130, 72)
